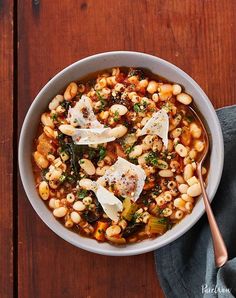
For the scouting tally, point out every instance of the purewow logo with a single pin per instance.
(206, 289)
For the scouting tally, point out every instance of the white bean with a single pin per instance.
(144, 121)
(152, 87)
(44, 190)
(49, 132)
(161, 164)
(166, 88)
(147, 142)
(188, 206)
(187, 198)
(184, 98)
(67, 129)
(60, 109)
(55, 174)
(194, 190)
(86, 184)
(183, 188)
(181, 150)
(87, 166)
(179, 179)
(157, 145)
(60, 212)
(155, 97)
(79, 206)
(142, 159)
(143, 83)
(166, 173)
(176, 132)
(195, 130)
(192, 180)
(118, 131)
(100, 171)
(199, 146)
(47, 120)
(123, 224)
(51, 203)
(192, 153)
(71, 91)
(55, 102)
(75, 217)
(40, 160)
(120, 109)
(176, 89)
(113, 230)
(57, 204)
(137, 151)
(179, 203)
(188, 172)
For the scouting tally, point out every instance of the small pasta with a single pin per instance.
(157, 184)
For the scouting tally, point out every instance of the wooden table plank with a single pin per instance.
(6, 149)
(194, 35)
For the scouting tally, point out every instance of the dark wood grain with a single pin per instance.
(6, 150)
(196, 35)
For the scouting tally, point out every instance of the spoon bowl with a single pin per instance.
(220, 251)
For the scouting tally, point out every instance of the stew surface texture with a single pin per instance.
(114, 157)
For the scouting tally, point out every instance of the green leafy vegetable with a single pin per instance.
(54, 117)
(102, 152)
(152, 158)
(137, 108)
(66, 105)
(82, 193)
(130, 149)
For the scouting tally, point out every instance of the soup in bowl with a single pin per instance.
(114, 148)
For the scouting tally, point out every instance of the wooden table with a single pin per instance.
(38, 39)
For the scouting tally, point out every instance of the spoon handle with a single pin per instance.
(221, 255)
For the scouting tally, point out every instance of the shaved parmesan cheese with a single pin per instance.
(111, 205)
(127, 178)
(91, 131)
(82, 114)
(157, 125)
(92, 136)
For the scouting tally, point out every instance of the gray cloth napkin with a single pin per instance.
(186, 267)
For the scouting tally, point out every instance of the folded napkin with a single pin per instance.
(186, 267)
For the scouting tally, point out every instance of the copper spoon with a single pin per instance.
(220, 251)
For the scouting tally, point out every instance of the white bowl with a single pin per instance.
(100, 62)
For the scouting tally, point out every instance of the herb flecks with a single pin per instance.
(152, 159)
(102, 100)
(102, 152)
(140, 107)
(82, 193)
(116, 116)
